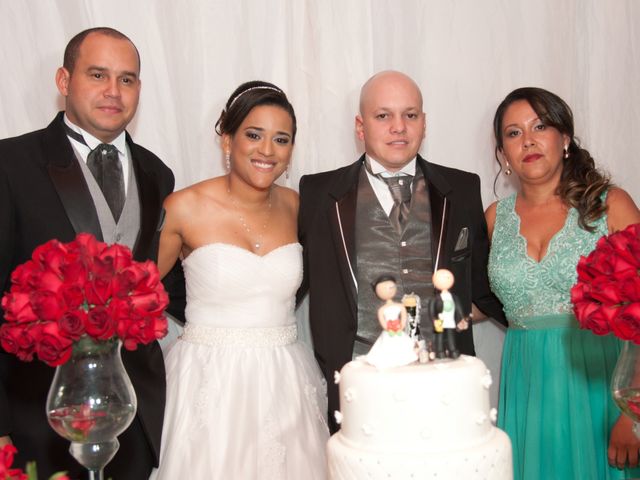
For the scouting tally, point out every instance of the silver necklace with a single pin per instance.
(257, 242)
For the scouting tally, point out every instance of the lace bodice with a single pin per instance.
(228, 286)
(528, 288)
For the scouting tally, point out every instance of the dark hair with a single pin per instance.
(72, 51)
(581, 183)
(383, 278)
(248, 96)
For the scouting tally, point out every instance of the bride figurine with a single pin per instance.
(393, 347)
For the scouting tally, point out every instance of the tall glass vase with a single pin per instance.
(625, 384)
(91, 401)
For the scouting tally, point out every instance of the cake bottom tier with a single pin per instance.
(490, 460)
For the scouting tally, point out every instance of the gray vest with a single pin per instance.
(381, 250)
(127, 229)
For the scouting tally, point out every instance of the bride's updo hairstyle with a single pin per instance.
(248, 96)
(581, 184)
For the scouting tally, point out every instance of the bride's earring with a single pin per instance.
(566, 151)
(227, 159)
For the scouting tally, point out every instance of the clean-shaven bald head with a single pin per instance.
(391, 122)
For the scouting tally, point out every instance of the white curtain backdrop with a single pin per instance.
(465, 54)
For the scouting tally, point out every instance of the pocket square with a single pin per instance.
(463, 239)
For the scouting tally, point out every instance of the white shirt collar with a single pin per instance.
(376, 168)
(120, 142)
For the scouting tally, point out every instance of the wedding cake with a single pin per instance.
(430, 420)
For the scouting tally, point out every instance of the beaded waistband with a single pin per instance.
(541, 322)
(240, 337)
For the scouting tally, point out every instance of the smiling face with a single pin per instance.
(391, 122)
(261, 148)
(534, 149)
(103, 90)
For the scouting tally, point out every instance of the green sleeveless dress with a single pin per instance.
(555, 400)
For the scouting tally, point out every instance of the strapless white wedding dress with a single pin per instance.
(245, 398)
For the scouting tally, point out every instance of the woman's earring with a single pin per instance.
(286, 172)
(566, 151)
(507, 170)
(227, 159)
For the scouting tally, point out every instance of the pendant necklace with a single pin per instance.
(257, 242)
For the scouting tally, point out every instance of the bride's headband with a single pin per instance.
(259, 87)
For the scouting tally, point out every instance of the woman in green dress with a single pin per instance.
(555, 401)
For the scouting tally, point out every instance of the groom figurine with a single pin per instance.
(83, 173)
(390, 212)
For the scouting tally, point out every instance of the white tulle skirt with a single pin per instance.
(248, 410)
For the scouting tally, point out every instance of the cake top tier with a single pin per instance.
(435, 406)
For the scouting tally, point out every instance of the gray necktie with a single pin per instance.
(400, 188)
(106, 168)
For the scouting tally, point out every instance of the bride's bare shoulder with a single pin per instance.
(197, 196)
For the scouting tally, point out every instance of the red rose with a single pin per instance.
(72, 323)
(626, 324)
(605, 291)
(630, 288)
(47, 305)
(50, 282)
(87, 248)
(25, 275)
(98, 291)
(72, 296)
(17, 308)
(6, 460)
(114, 258)
(132, 276)
(99, 323)
(151, 303)
(16, 339)
(594, 317)
(622, 243)
(52, 347)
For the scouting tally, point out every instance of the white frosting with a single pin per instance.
(416, 420)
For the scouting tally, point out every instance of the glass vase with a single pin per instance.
(625, 383)
(91, 401)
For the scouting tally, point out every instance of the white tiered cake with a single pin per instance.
(418, 421)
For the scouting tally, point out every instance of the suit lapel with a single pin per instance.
(438, 190)
(342, 216)
(68, 180)
(150, 202)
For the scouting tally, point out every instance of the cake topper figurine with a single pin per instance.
(393, 347)
(446, 313)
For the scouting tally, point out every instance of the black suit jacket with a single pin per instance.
(326, 231)
(43, 195)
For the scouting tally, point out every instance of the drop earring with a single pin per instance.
(227, 159)
(286, 172)
(566, 151)
(507, 170)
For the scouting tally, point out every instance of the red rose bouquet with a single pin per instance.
(606, 297)
(84, 287)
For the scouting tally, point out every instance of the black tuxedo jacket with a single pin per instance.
(43, 195)
(326, 231)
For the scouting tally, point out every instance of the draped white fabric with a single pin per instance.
(465, 54)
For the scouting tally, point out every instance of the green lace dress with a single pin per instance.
(555, 401)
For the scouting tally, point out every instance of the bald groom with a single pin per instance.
(351, 232)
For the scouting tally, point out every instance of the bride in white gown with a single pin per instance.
(245, 398)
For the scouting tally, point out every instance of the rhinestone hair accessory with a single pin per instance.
(259, 87)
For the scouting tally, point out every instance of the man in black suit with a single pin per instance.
(390, 212)
(48, 190)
